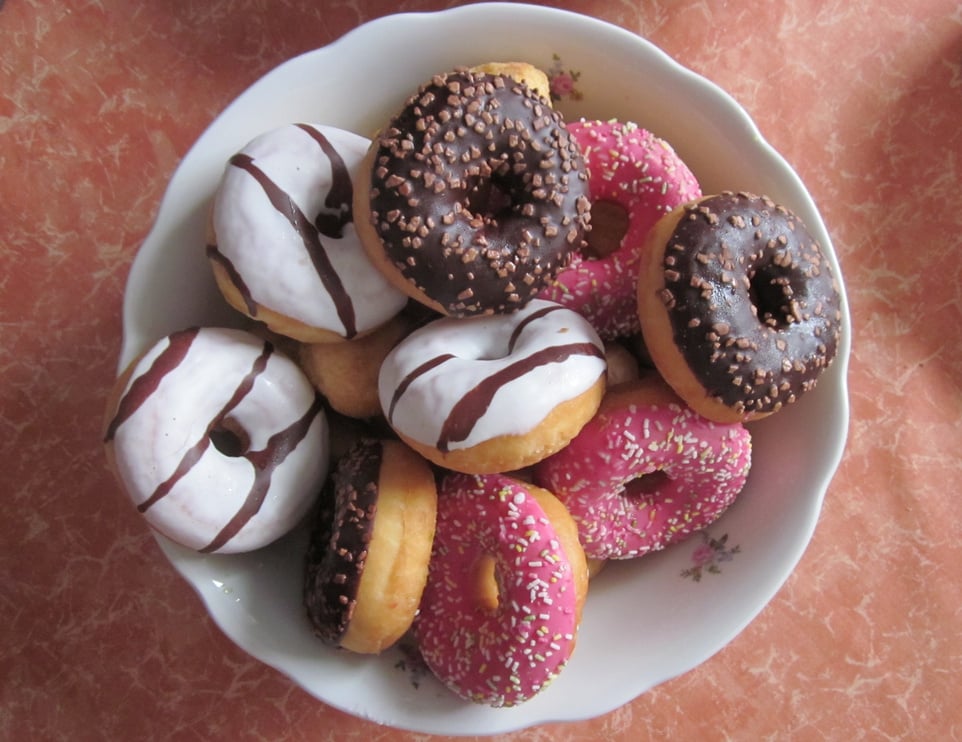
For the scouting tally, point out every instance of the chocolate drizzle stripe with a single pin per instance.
(235, 278)
(412, 377)
(472, 406)
(265, 462)
(195, 452)
(341, 194)
(145, 385)
(534, 316)
(308, 233)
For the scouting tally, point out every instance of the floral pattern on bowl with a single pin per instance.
(708, 555)
(563, 81)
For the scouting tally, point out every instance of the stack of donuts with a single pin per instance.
(475, 399)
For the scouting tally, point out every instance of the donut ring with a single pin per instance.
(497, 393)
(473, 196)
(739, 308)
(221, 442)
(639, 172)
(646, 471)
(500, 647)
(367, 561)
(282, 243)
(346, 373)
(523, 72)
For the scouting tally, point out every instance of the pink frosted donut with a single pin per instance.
(500, 650)
(646, 472)
(641, 173)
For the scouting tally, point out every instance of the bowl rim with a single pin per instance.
(736, 117)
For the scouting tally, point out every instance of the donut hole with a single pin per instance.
(331, 223)
(490, 198)
(646, 485)
(771, 298)
(609, 225)
(495, 349)
(230, 439)
(486, 589)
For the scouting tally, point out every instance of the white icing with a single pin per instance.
(479, 345)
(270, 255)
(150, 444)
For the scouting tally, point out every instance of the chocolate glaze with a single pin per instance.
(752, 302)
(478, 194)
(339, 541)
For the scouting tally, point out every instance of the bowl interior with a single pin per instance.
(645, 620)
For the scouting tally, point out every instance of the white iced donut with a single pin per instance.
(494, 393)
(283, 245)
(221, 442)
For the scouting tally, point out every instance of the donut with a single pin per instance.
(220, 441)
(346, 373)
(282, 243)
(646, 471)
(522, 72)
(370, 544)
(473, 196)
(622, 365)
(502, 605)
(739, 307)
(494, 393)
(642, 175)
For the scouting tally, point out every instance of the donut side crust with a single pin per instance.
(511, 452)
(657, 330)
(396, 570)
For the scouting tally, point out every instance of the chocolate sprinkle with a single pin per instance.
(753, 304)
(339, 541)
(476, 189)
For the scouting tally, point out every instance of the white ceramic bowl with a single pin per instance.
(646, 620)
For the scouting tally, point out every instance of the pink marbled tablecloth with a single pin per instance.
(102, 640)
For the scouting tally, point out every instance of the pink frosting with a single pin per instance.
(504, 656)
(642, 173)
(697, 469)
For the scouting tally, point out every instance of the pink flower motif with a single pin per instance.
(702, 555)
(562, 84)
(706, 557)
(563, 81)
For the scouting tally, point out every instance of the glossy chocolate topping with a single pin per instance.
(752, 302)
(339, 541)
(479, 195)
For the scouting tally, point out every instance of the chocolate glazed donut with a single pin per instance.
(370, 547)
(475, 195)
(738, 305)
(339, 542)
